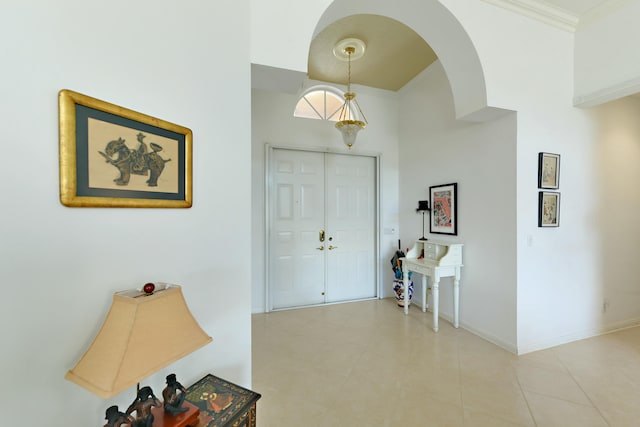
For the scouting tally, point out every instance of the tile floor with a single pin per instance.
(367, 364)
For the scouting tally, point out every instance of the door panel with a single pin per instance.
(351, 208)
(321, 191)
(296, 267)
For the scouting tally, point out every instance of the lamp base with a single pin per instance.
(184, 419)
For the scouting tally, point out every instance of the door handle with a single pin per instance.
(321, 248)
(331, 247)
(321, 236)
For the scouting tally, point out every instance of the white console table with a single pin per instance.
(437, 260)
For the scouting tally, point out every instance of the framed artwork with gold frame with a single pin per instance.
(111, 156)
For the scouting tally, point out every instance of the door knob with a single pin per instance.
(321, 248)
(331, 247)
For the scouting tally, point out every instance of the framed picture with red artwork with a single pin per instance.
(444, 209)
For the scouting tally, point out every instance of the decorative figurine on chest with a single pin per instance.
(115, 418)
(173, 395)
(142, 406)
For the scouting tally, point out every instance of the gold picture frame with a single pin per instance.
(111, 156)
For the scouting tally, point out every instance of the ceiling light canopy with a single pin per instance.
(349, 123)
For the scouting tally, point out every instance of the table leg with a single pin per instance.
(456, 299)
(405, 290)
(436, 301)
(424, 293)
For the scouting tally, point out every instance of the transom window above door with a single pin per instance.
(320, 103)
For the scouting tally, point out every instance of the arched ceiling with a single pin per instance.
(394, 54)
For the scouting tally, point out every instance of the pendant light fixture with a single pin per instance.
(351, 118)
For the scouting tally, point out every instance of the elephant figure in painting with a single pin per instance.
(138, 162)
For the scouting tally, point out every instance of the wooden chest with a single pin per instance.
(223, 404)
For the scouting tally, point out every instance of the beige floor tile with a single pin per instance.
(478, 418)
(362, 401)
(551, 412)
(421, 409)
(551, 383)
(369, 364)
(614, 394)
(276, 409)
(438, 383)
(504, 400)
(546, 359)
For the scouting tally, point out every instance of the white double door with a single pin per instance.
(322, 228)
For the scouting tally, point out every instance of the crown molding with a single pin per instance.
(601, 11)
(541, 11)
(611, 93)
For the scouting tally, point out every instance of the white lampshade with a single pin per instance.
(141, 335)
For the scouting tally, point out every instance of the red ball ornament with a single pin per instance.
(148, 288)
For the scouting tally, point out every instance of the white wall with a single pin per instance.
(618, 209)
(436, 149)
(282, 30)
(59, 267)
(529, 68)
(607, 58)
(273, 123)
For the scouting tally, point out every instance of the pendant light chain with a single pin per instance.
(349, 52)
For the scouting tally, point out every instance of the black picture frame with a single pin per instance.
(444, 209)
(548, 171)
(111, 156)
(548, 209)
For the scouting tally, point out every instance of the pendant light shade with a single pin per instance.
(349, 130)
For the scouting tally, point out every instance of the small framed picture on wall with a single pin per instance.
(548, 209)
(444, 209)
(549, 171)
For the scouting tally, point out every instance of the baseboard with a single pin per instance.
(577, 336)
(510, 347)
